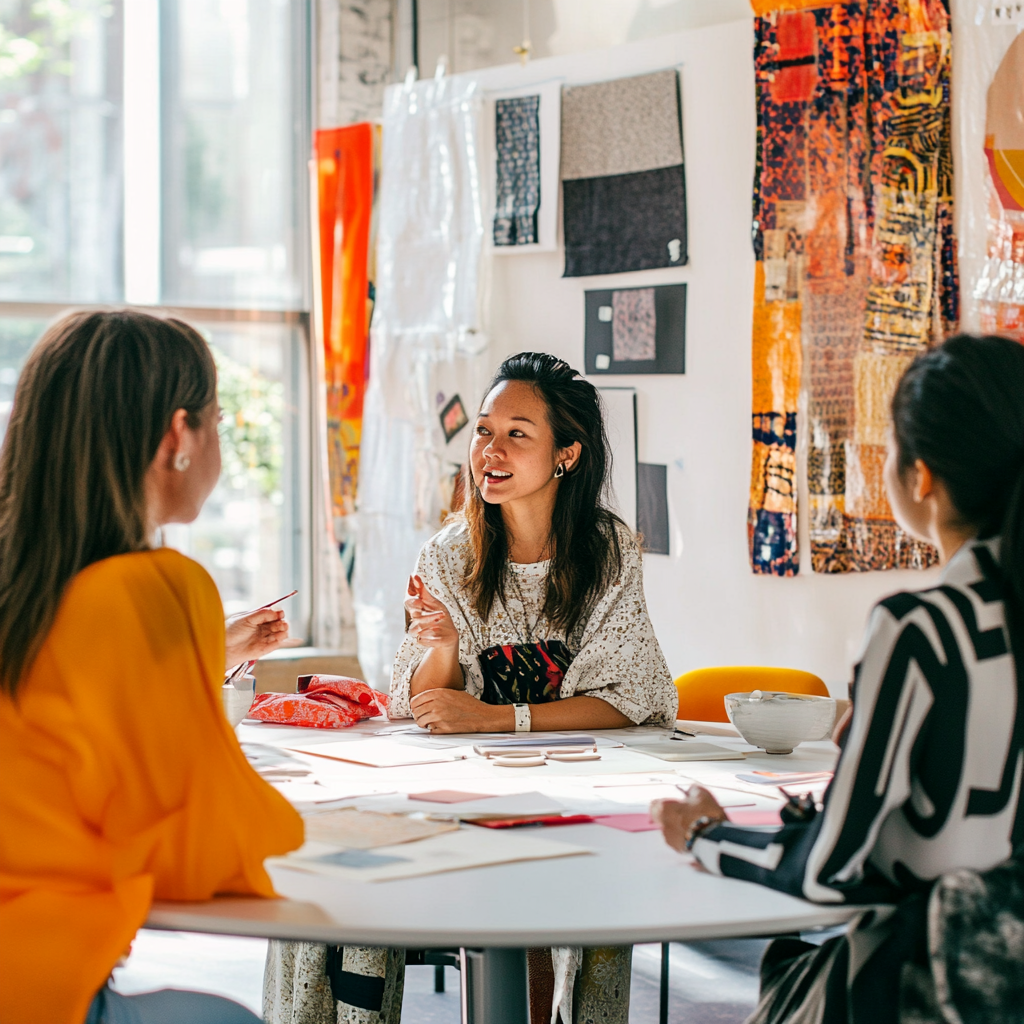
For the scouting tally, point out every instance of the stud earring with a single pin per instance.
(560, 471)
(181, 462)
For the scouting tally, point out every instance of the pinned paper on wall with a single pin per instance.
(856, 264)
(652, 507)
(636, 330)
(623, 181)
(526, 130)
(619, 408)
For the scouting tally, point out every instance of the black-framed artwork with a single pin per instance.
(635, 330)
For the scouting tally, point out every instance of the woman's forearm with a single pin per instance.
(439, 668)
(576, 713)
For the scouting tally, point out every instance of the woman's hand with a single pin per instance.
(447, 710)
(250, 635)
(676, 817)
(430, 622)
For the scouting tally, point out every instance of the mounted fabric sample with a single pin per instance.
(652, 507)
(346, 165)
(855, 281)
(1000, 290)
(636, 330)
(517, 138)
(535, 146)
(427, 341)
(623, 186)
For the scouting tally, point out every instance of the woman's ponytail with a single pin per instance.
(960, 409)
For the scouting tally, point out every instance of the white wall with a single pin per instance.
(707, 606)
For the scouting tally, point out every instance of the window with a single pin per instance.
(154, 152)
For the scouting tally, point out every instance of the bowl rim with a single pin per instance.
(782, 693)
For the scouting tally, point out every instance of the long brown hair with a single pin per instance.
(586, 558)
(94, 400)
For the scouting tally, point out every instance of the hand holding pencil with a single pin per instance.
(251, 635)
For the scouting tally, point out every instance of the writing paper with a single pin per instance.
(365, 830)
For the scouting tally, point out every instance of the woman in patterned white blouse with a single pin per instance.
(929, 779)
(527, 610)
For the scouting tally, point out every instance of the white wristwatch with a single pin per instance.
(522, 717)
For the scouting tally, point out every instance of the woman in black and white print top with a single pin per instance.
(930, 775)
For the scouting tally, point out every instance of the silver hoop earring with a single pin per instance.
(181, 462)
(560, 471)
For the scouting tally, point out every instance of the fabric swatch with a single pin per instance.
(856, 264)
(635, 330)
(633, 324)
(621, 127)
(623, 182)
(652, 507)
(624, 222)
(517, 136)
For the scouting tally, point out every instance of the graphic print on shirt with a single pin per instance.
(524, 673)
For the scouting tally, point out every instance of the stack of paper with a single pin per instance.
(379, 753)
(364, 830)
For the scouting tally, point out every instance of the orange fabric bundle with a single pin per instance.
(323, 702)
(121, 782)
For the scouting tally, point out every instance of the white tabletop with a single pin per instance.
(631, 888)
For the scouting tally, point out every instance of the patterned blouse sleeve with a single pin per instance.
(620, 659)
(435, 566)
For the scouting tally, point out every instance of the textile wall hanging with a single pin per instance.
(427, 344)
(346, 167)
(856, 263)
(635, 330)
(623, 186)
(1000, 290)
(517, 139)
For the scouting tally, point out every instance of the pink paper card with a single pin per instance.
(755, 817)
(627, 822)
(449, 796)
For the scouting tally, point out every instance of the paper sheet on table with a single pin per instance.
(506, 806)
(686, 750)
(365, 830)
(307, 793)
(379, 753)
(455, 851)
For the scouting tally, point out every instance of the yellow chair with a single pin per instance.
(702, 691)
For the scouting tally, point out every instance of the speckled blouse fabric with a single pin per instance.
(616, 655)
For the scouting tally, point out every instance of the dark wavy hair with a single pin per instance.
(93, 402)
(586, 558)
(960, 409)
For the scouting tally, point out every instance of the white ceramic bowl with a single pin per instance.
(776, 721)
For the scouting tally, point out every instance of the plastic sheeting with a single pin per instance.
(427, 344)
(991, 237)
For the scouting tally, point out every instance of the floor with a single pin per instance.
(710, 982)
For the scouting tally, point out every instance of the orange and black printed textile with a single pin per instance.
(347, 164)
(856, 263)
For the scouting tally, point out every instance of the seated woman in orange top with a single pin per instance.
(121, 781)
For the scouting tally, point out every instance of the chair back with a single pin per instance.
(702, 691)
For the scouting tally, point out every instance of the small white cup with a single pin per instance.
(238, 697)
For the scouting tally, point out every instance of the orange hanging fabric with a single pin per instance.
(346, 164)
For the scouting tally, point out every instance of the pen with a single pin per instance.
(244, 667)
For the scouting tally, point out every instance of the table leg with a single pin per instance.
(495, 989)
(663, 1003)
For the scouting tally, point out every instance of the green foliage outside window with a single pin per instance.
(251, 442)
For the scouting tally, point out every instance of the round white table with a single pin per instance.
(631, 888)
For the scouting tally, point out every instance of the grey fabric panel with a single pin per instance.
(621, 127)
(652, 507)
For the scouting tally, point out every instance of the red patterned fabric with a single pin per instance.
(323, 702)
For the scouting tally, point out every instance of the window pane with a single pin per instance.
(60, 150)
(17, 336)
(248, 534)
(233, 124)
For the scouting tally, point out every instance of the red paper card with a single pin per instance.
(450, 796)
